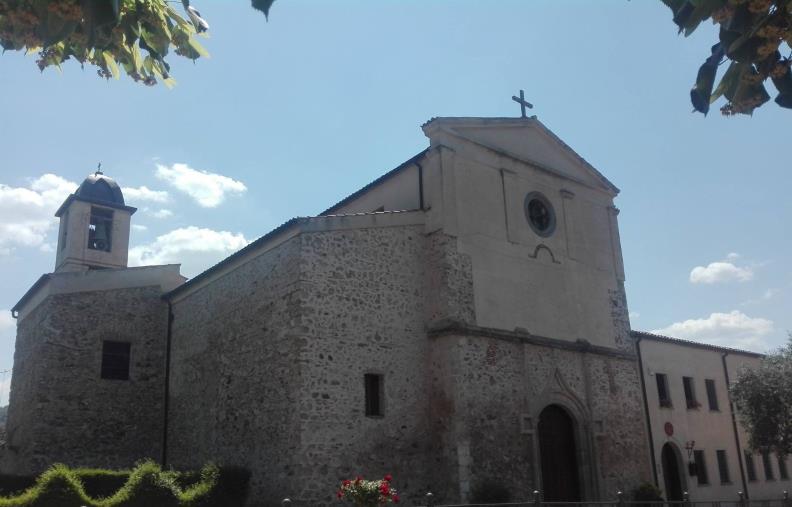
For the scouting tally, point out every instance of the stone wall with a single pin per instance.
(236, 372)
(61, 410)
(493, 386)
(364, 313)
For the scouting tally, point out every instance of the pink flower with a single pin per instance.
(388, 477)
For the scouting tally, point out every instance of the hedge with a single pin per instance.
(147, 485)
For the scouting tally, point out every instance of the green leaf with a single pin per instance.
(728, 82)
(198, 48)
(702, 9)
(263, 6)
(137, 58)
(111, 64)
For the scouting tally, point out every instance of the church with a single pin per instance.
(458, 322)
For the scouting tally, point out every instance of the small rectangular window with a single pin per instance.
(782, 469)
(690, 392)
(768, 466)
(65, 226)
(712, 397)
(373, 383)
(115, 360)
(100, 229)
(723, 467)
(750, 466)
(701, 468)
(662, 390)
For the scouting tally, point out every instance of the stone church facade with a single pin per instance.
(460, 320)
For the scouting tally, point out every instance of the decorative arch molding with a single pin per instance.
(558, 392)
(542, 247)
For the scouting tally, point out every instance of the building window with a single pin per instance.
(768, 466)
(782, 469)
(690, 392)
(723, 467)
(662, 390)
(374, 394)
(540, 214)
(712, 397)
(115, 360)
(701, 468)
(100, 229)
(749, 466)
(65, 226)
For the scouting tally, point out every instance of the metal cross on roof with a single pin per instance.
(98, 169)
(523, 103)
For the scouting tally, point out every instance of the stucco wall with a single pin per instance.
(557, 286)
(61, 411)
(711, 430)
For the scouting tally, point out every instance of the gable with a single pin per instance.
(527, 140)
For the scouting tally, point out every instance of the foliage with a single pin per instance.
(363, 493)
(764, 402)
(647, 492)
(490, 491)
(146, 485)
(752, 35)
(130, 35)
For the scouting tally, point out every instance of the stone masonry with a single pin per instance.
(62, 411)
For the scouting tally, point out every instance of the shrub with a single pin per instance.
(490, 491)
(11, 485)
(647, 492)
(233, 485)
(100, 483)
(145, 486)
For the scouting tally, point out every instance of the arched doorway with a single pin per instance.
(558, 456)
(671, 472)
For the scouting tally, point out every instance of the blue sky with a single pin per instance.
(289, 116)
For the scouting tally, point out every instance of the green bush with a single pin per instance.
(147, 485)
(647, 492)
(12, 485)
(100, 483)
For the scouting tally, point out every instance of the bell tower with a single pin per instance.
(94, 226)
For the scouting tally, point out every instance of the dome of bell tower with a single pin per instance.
(100, 189)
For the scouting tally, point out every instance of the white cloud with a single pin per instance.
(207, 189)
(160, 213)
(144, 194)
(136, 227)
(733, 329)
(27, 213)
(7, 322)
(767, 295)
(722, 271)
(194, 248)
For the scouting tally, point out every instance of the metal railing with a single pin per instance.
(620, 501)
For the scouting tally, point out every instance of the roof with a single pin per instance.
(97, 189)
(390, 174)
(236, 255)
(460, 121)
(30, 293)
(687, 343)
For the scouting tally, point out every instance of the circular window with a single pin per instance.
(540, 214)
